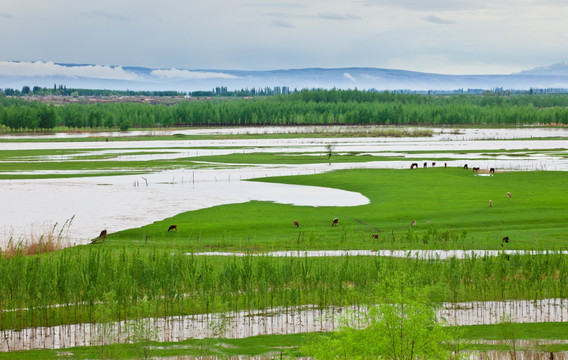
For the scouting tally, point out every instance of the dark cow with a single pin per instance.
(465, 167)
(475, 169)
(506, 239)
(492, 171)
(433, 164)
(101, 238)
(334, 222)
(445, 165)
(376, 236)
(413, 165)
(425, 164)
(296, 224)
(173, 227)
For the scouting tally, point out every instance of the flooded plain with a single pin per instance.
(120, 202)
(292, 320)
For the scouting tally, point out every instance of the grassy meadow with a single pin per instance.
(450, 207)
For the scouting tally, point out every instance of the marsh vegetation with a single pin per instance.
(146, 284)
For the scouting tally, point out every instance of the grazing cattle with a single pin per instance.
(101, 238)
(490, 203)
(334, 222)
(413, 165)
(376, 236)
(506, 239)
(413, 223)
(492, 171)
(508, 194)
(433, 164)
(173, 227)
(475, 169)
(425, 164)
(296, 224)
(465, 167)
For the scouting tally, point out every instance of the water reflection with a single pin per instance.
(278, 320)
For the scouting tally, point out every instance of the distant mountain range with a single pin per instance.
(14, 74)
(560, 69)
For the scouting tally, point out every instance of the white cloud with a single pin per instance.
(438, 20)
(174, 73)
(337, 16)
(348, 76)
(41, 69)
(281, 23)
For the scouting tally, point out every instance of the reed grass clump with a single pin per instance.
(77, 287)
(43, 240)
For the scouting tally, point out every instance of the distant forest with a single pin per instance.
(306, 107)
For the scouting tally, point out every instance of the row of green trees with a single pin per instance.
(319, 107)
(180, 284)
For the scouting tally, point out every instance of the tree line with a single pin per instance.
(307, 107)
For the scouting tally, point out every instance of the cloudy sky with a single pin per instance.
(439, 36)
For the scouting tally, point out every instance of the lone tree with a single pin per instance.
(329, 150)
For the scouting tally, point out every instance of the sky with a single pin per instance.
(436, 36)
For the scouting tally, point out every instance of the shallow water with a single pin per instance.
(276, 321)
(122, 202)
(413, 254)
(447, 133)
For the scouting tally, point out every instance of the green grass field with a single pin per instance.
(450, 207)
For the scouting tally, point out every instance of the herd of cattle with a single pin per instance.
(102, 236)
(425, 165)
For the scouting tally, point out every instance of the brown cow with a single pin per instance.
(334, 222)
(376, 236)
(475, 169)
(102, 236)
(173, 227)
(413, 223)
(296, 224)
(490, 203)
(508, 194)
(506, 239)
